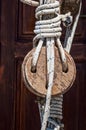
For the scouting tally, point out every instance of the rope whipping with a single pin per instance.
(48, 29)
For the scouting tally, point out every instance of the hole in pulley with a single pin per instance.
(65, 67)
(33, 69)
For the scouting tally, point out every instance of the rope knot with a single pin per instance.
(50, 25)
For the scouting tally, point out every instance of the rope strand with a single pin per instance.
(49, 29)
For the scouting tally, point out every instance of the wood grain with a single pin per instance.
(36, 82)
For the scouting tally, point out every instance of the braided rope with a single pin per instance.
(69, 40)
(45, 31)
(48, 28)
(50, 31)
(30, 2)
(56, 109)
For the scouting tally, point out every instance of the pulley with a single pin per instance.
(36, 81)
(48, 69)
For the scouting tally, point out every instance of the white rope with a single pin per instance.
(68, 44)
(30, 2)
(71, 37)
(50, 71)
(62, 55)
(48, 29)
(36, 55)
(57, 127)
(47, 6)
(52, 25)
(38, 49)
(53, 20)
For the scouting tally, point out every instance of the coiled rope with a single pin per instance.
(50, 31)
(55, 116)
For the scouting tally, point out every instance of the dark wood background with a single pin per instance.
(18, 110)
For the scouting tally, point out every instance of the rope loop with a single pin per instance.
(30, 2)
(48, 28)
(51, 27)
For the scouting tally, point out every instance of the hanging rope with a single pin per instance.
(48, 29)
(56, 112)
(56, 107)
(70, 33)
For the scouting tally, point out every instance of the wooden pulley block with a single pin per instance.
(36, 82)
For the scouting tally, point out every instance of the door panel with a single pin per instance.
(18, 109)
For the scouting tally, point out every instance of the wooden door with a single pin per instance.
(18, 109)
